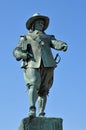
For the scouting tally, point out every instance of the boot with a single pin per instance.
(32, 100)
(41, 105)
(32, 113)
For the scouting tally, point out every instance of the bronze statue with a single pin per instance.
(38, 63)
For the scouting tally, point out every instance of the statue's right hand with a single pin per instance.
(24, 56)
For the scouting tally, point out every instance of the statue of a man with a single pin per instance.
(38, 63)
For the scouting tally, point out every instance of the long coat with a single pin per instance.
(39, 46)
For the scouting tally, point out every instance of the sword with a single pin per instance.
(57, 58)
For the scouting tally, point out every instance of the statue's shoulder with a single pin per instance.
(25, 36)
(50, 36)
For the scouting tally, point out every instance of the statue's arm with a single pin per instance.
(57, 44)
(18, 52)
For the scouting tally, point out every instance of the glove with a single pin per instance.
(16, 54)
(24, 56)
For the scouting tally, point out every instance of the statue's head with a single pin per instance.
(36, 17)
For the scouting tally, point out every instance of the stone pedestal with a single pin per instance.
(41, 123)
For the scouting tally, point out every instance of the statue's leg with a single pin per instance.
(46, 83)
(32, 95)
(41, 105)
(32, 78)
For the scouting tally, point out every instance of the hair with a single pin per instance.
(32, 28)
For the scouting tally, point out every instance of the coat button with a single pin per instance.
(42, 43)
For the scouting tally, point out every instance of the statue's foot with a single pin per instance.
(32, 113)
(41, 114)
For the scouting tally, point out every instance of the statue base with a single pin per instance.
(41, 123)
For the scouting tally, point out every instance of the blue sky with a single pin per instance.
(67, 98)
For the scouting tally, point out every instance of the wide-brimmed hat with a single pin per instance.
(35, 17)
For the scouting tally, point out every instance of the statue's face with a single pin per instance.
(39, 25)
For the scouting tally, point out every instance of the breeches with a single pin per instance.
(41, 78)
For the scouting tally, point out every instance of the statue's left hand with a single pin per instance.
(64, 47)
